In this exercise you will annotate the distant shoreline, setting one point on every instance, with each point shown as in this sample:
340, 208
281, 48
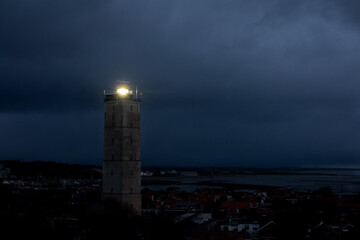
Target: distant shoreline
211, 184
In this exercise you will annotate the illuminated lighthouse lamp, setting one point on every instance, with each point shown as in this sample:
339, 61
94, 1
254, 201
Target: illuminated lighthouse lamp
123, 91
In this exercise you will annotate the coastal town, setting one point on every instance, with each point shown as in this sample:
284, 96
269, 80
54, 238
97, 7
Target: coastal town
47, 206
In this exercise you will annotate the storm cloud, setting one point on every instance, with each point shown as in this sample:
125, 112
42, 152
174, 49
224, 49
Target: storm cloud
234, 83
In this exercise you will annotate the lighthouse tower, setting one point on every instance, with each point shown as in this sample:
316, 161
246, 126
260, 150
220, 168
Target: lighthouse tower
121, 163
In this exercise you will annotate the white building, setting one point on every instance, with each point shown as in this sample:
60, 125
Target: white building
234, 226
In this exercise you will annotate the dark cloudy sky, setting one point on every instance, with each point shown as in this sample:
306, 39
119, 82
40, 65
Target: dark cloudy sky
225, 83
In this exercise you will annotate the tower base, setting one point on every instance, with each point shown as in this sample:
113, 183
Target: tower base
130, 202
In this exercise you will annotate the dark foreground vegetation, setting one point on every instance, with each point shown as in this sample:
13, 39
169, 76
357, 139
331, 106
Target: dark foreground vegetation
70, 214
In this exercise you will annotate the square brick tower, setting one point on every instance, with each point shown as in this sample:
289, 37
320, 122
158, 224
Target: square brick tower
121, 163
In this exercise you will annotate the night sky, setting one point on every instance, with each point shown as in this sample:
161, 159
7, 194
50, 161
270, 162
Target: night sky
225, 83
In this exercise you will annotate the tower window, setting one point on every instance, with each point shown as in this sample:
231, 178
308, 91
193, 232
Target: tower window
112, 157
131, 140
130, 125
131, 190
131, 172
131, 107
131, 157
112, 141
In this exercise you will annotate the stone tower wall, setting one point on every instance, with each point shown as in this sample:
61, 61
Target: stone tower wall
121, 164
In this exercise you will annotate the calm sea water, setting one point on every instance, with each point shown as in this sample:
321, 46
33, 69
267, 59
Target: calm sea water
340, 181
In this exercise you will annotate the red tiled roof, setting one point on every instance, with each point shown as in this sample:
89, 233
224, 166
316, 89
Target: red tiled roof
169, 202
235, 204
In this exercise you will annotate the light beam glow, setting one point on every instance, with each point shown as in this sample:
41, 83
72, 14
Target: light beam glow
122, 91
